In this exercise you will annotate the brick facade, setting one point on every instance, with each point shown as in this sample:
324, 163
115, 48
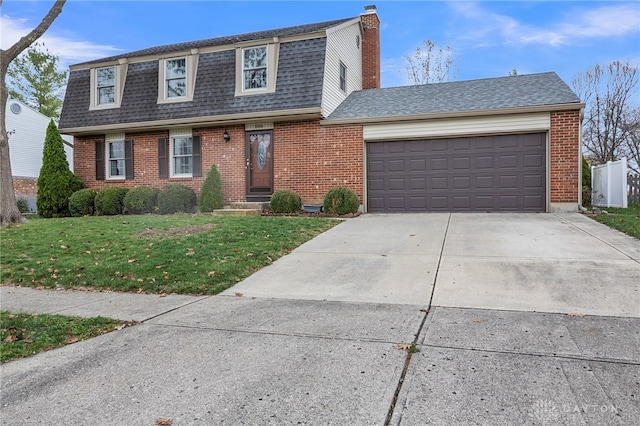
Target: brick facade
308, 158
564, 156
25, 187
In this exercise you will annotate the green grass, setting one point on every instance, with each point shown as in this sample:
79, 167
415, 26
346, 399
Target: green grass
184, 254
624, 220
22, 335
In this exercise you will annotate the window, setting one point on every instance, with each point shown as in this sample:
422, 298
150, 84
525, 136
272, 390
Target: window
182, 156
254, 68
116, 159
175, 78
106, 86
343, 77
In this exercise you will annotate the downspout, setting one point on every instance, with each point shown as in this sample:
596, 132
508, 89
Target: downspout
580, 159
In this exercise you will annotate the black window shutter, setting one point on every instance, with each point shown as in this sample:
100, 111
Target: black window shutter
197, 156
99, 160
128, 158
163, 158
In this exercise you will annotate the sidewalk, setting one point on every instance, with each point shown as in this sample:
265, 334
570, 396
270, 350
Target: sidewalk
319, 337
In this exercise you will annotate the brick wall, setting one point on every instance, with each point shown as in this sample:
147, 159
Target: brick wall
311, 159
308, 158
25, 187
564, 155
227, 156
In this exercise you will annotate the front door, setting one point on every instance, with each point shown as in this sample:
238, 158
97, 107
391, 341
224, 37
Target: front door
259, 165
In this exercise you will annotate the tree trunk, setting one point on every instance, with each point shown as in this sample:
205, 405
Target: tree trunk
9, 212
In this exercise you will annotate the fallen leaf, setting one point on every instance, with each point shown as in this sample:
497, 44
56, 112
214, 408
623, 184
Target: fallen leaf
402, 346
132, 260
164, 422
211, 273
11, 316
72, 340
575, 314
238, 294
10, 338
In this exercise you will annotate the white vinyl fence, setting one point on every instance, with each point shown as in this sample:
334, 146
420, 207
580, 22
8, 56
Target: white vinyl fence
609, 184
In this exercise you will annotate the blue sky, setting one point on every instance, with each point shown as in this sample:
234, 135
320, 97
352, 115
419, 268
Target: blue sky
488, 38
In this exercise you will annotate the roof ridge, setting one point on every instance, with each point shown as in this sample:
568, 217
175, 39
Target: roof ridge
228, 39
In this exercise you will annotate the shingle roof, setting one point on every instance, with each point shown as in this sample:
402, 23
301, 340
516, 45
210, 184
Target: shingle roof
522, 91
299, 83
221, 41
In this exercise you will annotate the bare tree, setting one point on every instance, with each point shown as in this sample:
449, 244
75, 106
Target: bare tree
9, 212
608, 92
430, 63
632, 147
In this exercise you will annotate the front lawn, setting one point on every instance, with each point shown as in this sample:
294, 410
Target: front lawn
624, 220
23, 335
184, 254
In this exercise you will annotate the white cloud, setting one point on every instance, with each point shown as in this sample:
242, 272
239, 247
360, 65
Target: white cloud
484, 26
68, 50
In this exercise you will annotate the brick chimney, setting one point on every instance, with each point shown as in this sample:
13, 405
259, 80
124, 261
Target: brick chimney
370, 48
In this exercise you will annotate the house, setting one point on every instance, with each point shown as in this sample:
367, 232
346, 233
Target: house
27, 129
301, 108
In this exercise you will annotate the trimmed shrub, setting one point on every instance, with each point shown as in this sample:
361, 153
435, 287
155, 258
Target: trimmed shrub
23, 205
56, 182
341, 200
109, 201
285, 201
82, 203
211, 196
176, 198
141, 200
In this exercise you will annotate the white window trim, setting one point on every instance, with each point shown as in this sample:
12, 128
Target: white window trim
120, 75
178, 133
191, 62
273, 50
109, 138
342, 66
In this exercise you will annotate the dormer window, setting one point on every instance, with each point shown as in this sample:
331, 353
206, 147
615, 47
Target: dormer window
256, 69
107, 86
175, 75
177, 78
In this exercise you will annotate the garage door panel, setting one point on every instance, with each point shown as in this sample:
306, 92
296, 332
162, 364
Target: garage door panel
487, 173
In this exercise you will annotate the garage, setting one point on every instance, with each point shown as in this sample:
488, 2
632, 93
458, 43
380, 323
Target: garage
499, 173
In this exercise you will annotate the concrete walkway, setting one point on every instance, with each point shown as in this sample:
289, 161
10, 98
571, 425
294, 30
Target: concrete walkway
518, 319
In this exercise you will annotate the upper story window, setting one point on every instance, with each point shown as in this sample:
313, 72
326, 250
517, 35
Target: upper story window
343, 77
175, 75
106, 85
254, 68
177, 78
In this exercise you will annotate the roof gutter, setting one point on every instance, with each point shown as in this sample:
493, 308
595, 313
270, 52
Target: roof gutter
216, 120
461, 114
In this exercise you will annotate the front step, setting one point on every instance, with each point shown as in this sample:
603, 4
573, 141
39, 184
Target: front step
237, 212
246, 208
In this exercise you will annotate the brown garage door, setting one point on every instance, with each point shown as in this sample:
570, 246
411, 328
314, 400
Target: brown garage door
484, 173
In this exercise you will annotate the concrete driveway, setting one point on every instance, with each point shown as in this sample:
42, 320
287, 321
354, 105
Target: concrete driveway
526, 262
516, 319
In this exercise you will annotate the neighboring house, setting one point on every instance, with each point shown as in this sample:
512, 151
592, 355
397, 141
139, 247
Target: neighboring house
27, 129
301, 108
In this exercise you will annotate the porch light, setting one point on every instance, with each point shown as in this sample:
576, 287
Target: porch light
226, 136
